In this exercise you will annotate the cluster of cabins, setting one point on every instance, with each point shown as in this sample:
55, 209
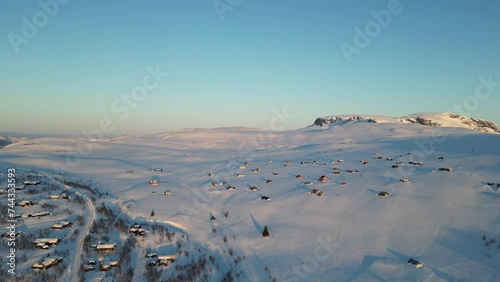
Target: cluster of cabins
162, 260
103, 266
324, 178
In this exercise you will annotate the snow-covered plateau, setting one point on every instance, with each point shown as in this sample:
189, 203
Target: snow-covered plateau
441, 206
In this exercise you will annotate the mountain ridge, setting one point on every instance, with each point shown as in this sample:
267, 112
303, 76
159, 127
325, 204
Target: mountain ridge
425, 119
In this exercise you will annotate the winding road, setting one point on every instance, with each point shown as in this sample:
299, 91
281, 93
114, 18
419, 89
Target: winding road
72, 273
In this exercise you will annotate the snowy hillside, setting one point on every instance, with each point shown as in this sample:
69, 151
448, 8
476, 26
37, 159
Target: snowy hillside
316, 189
427, 119
4, 141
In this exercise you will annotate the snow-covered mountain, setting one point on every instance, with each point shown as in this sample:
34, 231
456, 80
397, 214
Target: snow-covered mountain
4, 141
427, 119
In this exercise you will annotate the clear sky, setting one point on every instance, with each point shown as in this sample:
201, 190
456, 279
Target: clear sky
233, 63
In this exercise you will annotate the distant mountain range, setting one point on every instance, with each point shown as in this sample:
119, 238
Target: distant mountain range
426, 119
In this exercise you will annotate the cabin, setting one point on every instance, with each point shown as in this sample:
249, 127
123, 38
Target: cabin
163, 262
62, 225
404, 180
20, 187
253, 188
58, 197
323, 178
138, 231
383, 194
169, 258
449, 169
318, 192
48, 262
265, 198
40, 242
104, 267
416, 263
26, 203
269, 181
154, 182
37, 214
106, 247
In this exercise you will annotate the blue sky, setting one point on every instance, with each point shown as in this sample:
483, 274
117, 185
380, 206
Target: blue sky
233, 71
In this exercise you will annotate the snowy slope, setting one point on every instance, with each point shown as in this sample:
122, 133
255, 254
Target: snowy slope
427, 119
450, 221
